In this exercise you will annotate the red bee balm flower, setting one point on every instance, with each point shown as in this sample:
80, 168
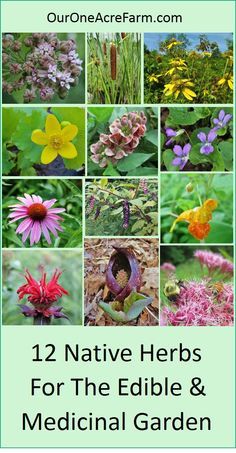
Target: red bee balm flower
42, 296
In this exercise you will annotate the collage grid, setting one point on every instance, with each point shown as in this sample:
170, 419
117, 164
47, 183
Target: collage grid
140, 294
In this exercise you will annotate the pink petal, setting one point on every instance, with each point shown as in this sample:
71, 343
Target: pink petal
35, 233
54, 217
49, 203
55, 210
37, 199
25, 201
23, 225
26, 233
18, 217
50, 225
46, 233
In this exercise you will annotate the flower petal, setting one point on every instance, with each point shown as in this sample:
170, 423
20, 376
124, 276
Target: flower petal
186, 149
69, 132
48, 155
39, 137
46, 233
23, 225
178, 150
206, 149
227, 118
170, 132
221, 115
68, 151
49, 203
211, 136
52, 125
202, 137
177, 161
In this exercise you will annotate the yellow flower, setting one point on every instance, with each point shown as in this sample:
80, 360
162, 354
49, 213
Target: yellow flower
56, 139
198, 219
154, 78
178, 62
174, 43
228, 78
175, 69
207, 54
178, 86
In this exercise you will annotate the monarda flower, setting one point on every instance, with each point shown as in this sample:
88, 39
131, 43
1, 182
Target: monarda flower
124, 137
198, 219
57, 140
42, 296
39, 218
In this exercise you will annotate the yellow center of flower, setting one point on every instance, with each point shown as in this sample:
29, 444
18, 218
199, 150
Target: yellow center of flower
56, 141
37, 211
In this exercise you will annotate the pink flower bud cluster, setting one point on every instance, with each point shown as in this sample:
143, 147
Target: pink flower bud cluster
214, 261
50, 67
124, 137
198, 305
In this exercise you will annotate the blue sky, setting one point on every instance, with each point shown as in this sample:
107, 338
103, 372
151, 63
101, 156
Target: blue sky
152, 40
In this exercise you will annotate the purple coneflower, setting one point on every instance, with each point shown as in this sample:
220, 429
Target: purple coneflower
182, 155
39, 218
207, 147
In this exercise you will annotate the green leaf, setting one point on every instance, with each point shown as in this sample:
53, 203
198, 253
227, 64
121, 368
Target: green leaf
168, 157
133, 161
152, 136
214, 158
10, 120
138, 225
226, 149
102, 114
184, 118
7, 163
143, 171
110, 171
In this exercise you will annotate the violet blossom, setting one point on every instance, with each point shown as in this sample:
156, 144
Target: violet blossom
222, 120
171, 133
207, 147
182, 155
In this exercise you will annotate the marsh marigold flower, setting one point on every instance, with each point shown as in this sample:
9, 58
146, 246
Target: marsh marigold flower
39, 218
42, 296
198, 219
56, 139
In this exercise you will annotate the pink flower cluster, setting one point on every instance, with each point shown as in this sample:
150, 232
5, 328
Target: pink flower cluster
124, 137
169, 268
50, 66
214, 262
197, 305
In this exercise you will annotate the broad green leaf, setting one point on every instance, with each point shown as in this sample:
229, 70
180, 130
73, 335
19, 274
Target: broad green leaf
143, 171
133, 161
138, 225
110, 170
152, 136
168, 156
7, 162
102, 114
226, 149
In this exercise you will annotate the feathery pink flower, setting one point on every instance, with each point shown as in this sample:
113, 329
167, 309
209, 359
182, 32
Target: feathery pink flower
168, 268
39, 218
214, 261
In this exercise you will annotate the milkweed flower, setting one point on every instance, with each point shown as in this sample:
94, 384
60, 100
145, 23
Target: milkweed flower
222, 120
214, 261
42, 296
198, 219
39, 218
182, 155
207, 140
56, 139
197, 305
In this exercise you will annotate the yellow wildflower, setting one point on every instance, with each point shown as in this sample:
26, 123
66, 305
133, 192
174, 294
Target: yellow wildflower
154, 78
180, 86
198, 219
56, 139
227, 79
173, 43
207, 54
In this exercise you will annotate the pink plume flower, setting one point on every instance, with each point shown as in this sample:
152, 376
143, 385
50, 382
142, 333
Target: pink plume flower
39, 218
214, 261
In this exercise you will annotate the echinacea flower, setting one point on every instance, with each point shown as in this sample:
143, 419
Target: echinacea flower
222, 120
56, 139
198, 219
42, 296
171, 133
39, 218
207, 147
180, 86
182, 155
227, 80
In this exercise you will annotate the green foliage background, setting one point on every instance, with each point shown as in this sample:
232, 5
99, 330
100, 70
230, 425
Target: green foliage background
69, 196
15, 262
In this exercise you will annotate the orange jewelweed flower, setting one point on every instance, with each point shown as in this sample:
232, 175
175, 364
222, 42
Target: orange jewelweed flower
198, 219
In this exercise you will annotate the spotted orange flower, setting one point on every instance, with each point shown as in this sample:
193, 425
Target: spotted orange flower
198, 219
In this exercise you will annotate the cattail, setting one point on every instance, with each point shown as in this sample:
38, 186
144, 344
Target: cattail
122, 278
123, 35
104, 46
113, 61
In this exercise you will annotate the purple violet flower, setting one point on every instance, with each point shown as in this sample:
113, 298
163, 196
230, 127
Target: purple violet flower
182, 155
222, 120
171, 133
207, 147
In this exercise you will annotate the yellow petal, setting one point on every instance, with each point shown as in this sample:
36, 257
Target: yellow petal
68, 151
230, 83
48, 155
39, 137
69, 132
189, 94
221, 82
52, 125
177, 93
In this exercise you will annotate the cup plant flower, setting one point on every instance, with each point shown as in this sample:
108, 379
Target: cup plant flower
39, 64
123, 279
56, 140
38, 218
42, 295
207, 300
